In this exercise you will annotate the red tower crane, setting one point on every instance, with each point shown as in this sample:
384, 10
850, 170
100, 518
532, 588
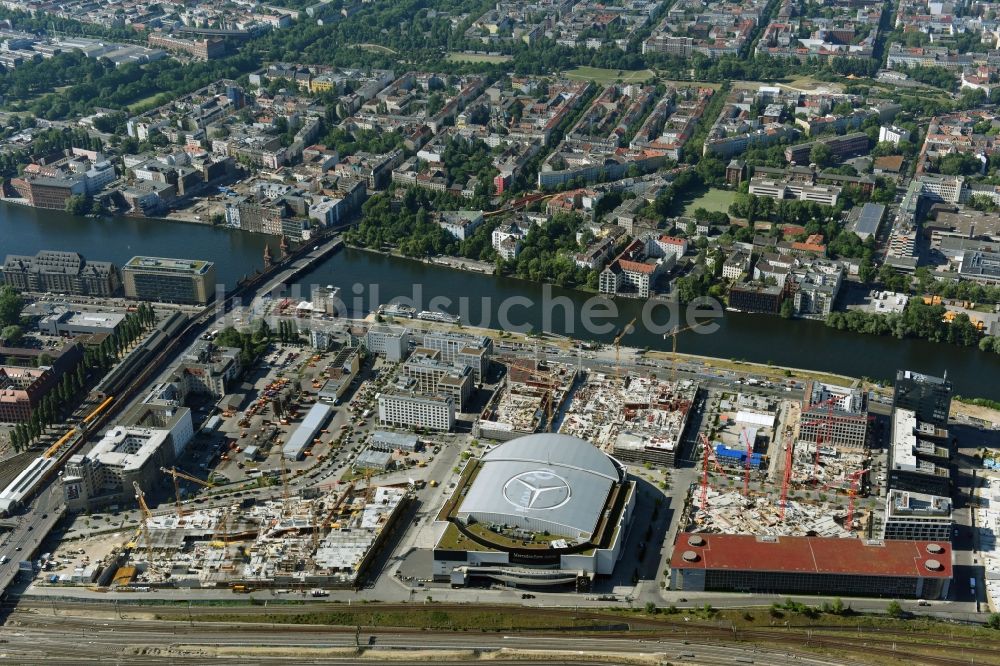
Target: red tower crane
787, 477
825, 422
746, 471
707, 455
852, 493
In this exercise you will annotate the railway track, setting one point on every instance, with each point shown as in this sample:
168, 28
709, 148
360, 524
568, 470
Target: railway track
920, 647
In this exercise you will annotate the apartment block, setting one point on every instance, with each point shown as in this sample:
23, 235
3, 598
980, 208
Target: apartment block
63, 273
841, 148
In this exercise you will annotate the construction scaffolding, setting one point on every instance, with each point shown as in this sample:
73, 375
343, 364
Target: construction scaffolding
640, 419
320, 542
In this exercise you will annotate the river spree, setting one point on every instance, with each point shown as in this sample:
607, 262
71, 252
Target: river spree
372, 278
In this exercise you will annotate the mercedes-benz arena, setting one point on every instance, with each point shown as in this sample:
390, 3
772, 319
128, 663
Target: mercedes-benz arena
540, 510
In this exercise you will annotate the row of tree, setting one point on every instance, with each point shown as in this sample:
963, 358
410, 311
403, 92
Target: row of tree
288, 331
68, 392
917, 320
49, 409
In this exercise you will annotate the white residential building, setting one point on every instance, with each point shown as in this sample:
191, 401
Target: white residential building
507, 240
892, 134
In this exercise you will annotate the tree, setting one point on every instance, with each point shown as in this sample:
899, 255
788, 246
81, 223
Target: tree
77, 204
11, 305
994, 621
821, 155
787, 308
894, 609
11, 335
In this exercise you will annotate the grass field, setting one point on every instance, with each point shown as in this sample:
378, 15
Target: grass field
458, 56
711, 199
146, 102
606, 76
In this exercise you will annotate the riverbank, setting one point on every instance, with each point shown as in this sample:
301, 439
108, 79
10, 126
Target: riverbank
457, 263
740, 337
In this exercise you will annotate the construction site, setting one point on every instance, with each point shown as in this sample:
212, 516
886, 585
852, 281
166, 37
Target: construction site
322, 539
759, 476
527, 402
634, 418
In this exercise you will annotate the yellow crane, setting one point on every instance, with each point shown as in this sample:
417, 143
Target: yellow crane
147, 515
285, 506
176, 474
628, 328
673, 353
222, 529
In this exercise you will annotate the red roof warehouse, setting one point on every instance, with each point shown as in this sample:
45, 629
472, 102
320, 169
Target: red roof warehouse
746, 563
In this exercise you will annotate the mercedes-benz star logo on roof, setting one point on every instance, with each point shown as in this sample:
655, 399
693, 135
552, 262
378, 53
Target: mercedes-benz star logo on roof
537, 489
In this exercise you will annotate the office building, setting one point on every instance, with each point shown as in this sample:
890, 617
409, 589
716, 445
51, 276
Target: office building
426, 372
49, 191
125, 454
471, 350
927, 396
811, 565
61, 273
980, 266
169, 280
764, 299
835, 416
207, 370
399, 408
69, 323
918, 455
393, 342
917, 517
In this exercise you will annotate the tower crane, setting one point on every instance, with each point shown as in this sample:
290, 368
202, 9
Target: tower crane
285, 506
746, 472
147, 515
222, 529
787, 476
625, 330
178, 474
852, 493
673, 350
707, 455
825, 423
